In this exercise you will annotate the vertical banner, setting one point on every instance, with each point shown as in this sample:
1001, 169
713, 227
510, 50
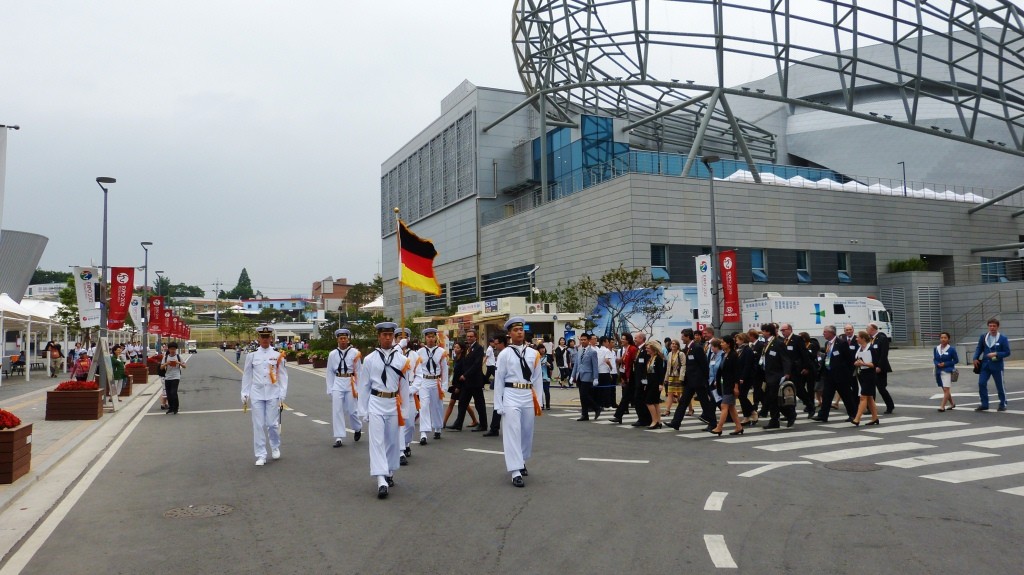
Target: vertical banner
730, 286
135, 311
156, 314
87, 288
121, 284
704, 287
166, 322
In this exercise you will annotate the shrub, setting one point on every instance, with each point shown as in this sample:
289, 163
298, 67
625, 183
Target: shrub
74, 385
8, 420
911, 265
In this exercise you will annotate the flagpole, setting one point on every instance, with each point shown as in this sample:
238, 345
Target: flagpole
401, 291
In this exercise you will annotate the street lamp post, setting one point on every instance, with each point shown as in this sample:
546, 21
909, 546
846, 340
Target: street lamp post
159, 292
708, 160
145, 302
103, 279
532, 274
904, 164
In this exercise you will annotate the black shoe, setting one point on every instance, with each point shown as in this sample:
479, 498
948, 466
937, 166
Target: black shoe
618, 421
674, 426
713, 432
855, 422
408, 451
491, 434
818, 418
359, 435
638, 424
382, 492
772, 425
518, 481
980, 409
478, 428
790, 422
583, 419
740, 432
402, 460
656, 426
524, 472
390, 480
163, 407
873, 422
888, 412
1000, 408
453, 428
437, 435
597, 413
423, 441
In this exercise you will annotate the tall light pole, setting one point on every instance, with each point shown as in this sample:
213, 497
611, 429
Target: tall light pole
708, 160
145, 302
103, 279
904, 164
159, 292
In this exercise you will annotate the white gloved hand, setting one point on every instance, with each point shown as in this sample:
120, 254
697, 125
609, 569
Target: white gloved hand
245, 399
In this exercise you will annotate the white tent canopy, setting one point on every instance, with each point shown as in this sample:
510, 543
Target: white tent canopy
375, 305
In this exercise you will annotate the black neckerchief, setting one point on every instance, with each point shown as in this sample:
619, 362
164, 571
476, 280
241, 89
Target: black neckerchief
527, 373
431, 364
342, 366
387, 363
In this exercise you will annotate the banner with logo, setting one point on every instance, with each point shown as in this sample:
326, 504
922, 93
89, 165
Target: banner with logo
156, 314
87, 288
704, 287
167, 322
120, 287
135, 311
730, 286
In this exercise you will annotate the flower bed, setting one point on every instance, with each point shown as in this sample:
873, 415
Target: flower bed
153, 364
74, 400
136, 374
15, 447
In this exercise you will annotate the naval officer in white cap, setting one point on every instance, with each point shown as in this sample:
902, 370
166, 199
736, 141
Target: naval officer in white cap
264, 387
431, 375
517, 378
383, 385
342, 366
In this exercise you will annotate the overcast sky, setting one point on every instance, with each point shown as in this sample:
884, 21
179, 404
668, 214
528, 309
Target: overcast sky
242, 134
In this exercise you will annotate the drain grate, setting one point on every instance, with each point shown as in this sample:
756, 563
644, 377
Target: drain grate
198, 511
853, 466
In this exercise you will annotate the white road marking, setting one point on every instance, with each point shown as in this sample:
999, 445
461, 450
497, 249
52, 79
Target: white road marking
911, 426
855, 452
715, 501
719, 552
950, 457
484, 451
965, 432
996, 443
885, 420
320, 422
197, 412
299, 414
1013, 491
565, 415
977, 473
817, 442
769, 437
614, 460
765, 466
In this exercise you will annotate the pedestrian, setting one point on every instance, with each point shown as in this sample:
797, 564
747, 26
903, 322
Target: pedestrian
342, 366
489, 362
238, 353
629, 354
172, 365
55, 355
572, 354
264, 387
675, 364
498, 344
517, 376
458, 360
431, 369
585, 374
470, 384
383, 384
695, 382
639, 372
546, 366
653, 382
993, 347
562, 362
880, 354
945, 359
728, 384
865, 365
837, 370
607, 372
117, 379
408, 401
80, 371
745, 373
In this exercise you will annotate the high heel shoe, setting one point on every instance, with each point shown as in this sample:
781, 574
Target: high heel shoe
655, 426
873, 422
713, 432
740, 432
952, 406
856, 422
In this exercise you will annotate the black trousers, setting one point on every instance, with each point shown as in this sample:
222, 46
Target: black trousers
771, 399
639, 399
606, 393
495, 421
171, 386
627, 398
834, 384
805, 395
476, 394
588, 402
746, 405
881, 383
707, 406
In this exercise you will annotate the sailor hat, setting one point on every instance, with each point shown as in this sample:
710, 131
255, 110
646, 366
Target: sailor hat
386, 326
430, 330
342, 331
513, 322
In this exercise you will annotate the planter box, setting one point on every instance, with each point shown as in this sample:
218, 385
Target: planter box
153, 368
320, 363
126, 389
137, 375
305, 361
15, 452
65, 405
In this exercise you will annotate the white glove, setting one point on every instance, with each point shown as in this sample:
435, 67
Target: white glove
245, 399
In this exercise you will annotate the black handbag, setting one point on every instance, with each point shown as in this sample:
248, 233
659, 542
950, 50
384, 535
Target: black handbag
977, 368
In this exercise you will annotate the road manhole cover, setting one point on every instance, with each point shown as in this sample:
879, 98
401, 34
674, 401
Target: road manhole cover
194, 511
853, 466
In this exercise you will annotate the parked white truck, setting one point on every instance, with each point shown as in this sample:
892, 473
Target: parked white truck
811, 314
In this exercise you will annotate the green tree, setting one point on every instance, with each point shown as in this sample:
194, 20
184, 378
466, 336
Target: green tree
42, 276
182, 290
67, 311
363, 293
242, 290
236, 326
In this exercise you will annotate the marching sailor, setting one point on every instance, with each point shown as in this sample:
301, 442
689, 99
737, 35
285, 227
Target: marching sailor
409, 401
342, 366
383, 386
431, 373
516, 380
264, 386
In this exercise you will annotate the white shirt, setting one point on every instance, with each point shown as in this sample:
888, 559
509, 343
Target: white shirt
353, 361
489, 356
864, 355
437, 373
386, 371
509, 370
605, 360
264, 376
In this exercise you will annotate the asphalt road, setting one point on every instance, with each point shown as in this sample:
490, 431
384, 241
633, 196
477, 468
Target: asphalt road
599, 498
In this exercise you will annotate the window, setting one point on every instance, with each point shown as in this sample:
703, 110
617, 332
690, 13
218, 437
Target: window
993, 270
659, 263
758, 266
803, 267
843, 265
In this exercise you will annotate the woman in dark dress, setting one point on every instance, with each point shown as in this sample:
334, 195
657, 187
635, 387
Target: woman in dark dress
458, 368
866, 378
654, 379
728, 386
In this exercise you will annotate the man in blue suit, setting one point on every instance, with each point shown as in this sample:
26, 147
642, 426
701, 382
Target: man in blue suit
992, 348
584, 373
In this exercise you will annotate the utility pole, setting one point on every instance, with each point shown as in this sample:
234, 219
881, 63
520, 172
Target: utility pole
216, 304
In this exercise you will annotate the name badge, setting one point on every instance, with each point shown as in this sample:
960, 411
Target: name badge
641, 360
689, 356
835, 353
875, 346
643, 382
773, 352
789, 347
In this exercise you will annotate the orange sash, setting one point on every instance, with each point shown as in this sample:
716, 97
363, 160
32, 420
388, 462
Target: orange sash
440, 392
398, 403
536, 404
352, 382
416, 398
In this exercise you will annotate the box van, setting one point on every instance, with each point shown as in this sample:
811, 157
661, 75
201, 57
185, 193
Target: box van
192, 346
811, 314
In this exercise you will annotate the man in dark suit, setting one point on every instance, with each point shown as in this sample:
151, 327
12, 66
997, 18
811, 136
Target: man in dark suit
471, 384
797, 352
695, 382
879, 347
837, 375
778, 367
639, 372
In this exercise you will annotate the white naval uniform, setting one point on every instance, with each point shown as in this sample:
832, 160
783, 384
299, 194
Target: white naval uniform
265, 396
431, 375
408, 403
342, 368
516, 405
380, 372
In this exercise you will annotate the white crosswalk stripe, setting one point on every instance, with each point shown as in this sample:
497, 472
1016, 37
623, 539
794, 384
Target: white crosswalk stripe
837, 440
855, 452
885, 421
936, 458
971, 431
997, 443
976, 473
756, 437
912, 426
1013, 490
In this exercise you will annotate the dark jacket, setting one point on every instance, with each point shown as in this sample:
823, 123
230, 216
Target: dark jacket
728, 373
841, 362
473, 365
697, 369
880, 352
777, 363
745, 364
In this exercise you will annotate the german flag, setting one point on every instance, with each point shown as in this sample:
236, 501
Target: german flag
416, 256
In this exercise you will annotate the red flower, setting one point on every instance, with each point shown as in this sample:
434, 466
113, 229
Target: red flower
155, 358
8, 420
135, 364
74, 385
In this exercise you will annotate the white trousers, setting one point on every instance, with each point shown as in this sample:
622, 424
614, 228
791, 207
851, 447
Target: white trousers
265, 413
517, 435
409, 413
384, 444
343, 410
431, 409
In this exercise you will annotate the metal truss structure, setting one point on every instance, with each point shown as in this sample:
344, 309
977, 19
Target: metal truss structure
963, 56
